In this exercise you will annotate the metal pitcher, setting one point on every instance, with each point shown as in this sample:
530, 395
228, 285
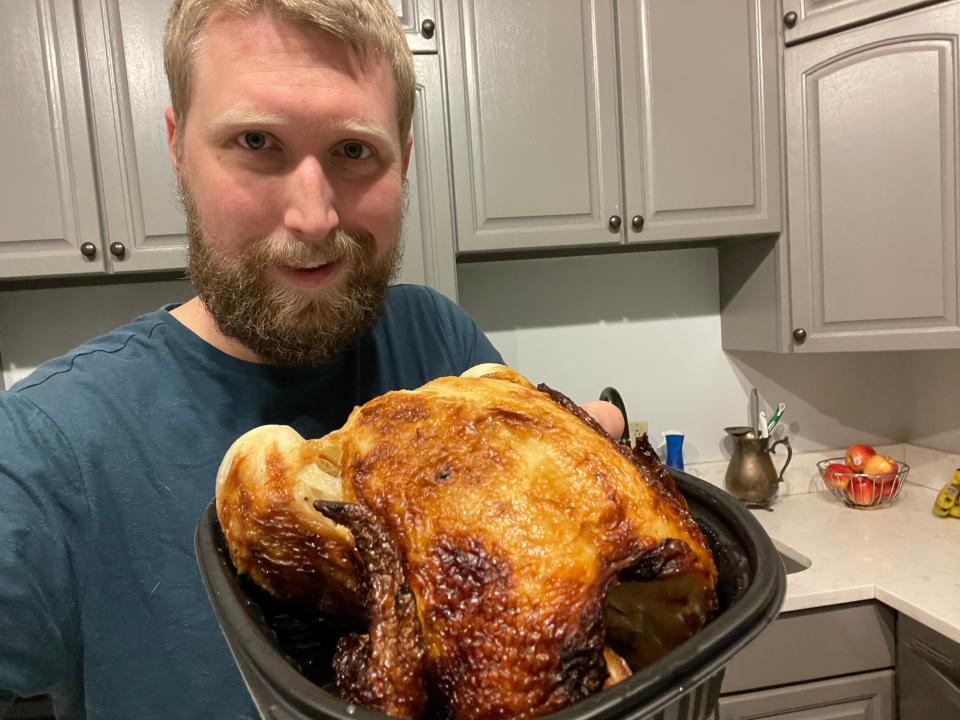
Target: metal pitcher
751, 476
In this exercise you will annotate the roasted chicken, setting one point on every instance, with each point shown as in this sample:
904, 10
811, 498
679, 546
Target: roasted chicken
508, 556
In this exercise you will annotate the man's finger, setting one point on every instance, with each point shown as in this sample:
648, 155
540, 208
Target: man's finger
607, 415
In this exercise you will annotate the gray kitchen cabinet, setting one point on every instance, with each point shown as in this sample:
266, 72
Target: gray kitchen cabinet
928, 673
420, 24
804, 19
858, 697
536, 124
701, 144
868, 259
872, 163
531, 88
144, 225
428, 253
48, 196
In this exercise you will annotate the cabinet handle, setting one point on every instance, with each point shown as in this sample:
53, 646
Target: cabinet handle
790, 19
637, 222
800, 335
614, 222
118, 250
88, 250
427, 28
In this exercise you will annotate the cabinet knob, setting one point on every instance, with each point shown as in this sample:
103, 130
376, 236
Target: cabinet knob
118, 250
637, 222
427, 28
790, 19
88, 250
800, 335
614, 222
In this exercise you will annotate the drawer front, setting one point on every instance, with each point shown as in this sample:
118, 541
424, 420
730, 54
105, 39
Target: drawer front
858, 697
820, 17
813, 644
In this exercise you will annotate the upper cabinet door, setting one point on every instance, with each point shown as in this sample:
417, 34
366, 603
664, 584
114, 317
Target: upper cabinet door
428, 253
872, 167
145, 227
701, 130
809, 18
48, 194
533, 122
420, 24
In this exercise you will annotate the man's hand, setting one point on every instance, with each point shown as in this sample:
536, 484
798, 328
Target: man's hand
607, 415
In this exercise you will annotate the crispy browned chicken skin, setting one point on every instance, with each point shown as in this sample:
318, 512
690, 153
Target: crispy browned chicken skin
479, 523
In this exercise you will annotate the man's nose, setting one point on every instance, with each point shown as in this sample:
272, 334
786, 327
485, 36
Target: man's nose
310, 213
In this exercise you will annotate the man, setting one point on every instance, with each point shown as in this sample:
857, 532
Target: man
289, 133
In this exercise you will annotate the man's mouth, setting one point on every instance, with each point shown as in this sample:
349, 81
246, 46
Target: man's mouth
312, 275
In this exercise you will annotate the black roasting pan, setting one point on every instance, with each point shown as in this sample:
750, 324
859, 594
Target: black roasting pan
285, 661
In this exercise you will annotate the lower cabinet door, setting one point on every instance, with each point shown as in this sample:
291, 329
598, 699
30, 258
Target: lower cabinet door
868, 696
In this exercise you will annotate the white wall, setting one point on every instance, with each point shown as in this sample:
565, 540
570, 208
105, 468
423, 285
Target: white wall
648, 323
934, 387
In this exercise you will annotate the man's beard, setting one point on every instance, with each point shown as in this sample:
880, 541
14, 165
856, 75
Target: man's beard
282, 324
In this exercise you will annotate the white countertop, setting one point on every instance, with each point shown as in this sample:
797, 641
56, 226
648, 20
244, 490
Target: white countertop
902, 555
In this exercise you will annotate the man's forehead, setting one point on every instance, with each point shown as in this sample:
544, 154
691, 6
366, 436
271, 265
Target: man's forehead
232, 37
262, 70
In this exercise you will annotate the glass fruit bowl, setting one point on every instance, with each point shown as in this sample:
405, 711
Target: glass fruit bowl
862, 490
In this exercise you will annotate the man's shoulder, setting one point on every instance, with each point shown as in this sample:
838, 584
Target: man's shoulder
96, 361
422, 329
404, 297
419, 305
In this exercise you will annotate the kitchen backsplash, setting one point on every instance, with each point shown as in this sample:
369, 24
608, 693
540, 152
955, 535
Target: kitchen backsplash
646, 323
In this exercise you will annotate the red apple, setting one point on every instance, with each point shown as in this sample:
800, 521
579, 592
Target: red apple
857, 455
880, 465
861, 490
889, 485
838, 476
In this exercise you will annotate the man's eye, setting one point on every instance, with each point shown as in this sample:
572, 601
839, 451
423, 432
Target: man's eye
253, 140
355, 150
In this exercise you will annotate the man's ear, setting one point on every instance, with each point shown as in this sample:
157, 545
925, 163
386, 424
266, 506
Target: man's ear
171, 123
406, 153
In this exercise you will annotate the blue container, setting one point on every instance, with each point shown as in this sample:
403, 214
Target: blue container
674, 442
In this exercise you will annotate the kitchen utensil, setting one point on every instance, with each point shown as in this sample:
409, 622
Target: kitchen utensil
275, 654
775, 420
611, 395
754, 409
762, 427
751, 475
860, 490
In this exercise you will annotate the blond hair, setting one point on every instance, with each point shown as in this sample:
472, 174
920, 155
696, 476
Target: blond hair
365, 25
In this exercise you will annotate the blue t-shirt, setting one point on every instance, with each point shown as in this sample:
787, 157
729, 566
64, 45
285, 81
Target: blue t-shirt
108, 456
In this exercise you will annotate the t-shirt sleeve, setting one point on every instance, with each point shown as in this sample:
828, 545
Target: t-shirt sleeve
471, 346
42, 514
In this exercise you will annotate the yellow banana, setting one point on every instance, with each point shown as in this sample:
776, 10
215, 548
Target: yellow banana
947, 497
